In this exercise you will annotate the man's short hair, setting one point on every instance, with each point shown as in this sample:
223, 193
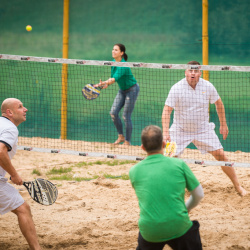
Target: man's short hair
152, 138
193, 63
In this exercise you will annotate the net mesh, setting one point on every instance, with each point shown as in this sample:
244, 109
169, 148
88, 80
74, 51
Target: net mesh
37, 82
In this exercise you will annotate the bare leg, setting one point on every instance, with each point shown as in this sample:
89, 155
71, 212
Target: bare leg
27, 226
219, 155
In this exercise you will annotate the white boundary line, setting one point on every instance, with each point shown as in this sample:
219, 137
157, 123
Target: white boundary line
129, 157
125, 64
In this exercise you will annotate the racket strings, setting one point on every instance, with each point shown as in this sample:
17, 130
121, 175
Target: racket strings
51, 192
90, 92
48, 191
34, 191
170, 149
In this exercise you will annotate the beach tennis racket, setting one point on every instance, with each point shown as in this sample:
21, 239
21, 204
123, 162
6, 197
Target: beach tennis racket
42, 191
170, 149
90, 92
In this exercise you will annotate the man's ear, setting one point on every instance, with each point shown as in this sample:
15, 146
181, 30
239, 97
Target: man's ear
164, 144
143, 148
9, 112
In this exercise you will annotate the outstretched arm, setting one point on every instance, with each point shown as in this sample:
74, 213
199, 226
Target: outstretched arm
165, 122
222, 117
196, 196
106, 83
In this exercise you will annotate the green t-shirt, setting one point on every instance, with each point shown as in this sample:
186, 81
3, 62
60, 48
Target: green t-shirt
123, 76
159, 184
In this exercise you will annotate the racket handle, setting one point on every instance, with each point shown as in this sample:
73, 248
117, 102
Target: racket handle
10, 180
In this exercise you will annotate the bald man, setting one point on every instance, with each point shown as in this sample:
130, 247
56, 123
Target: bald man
13, 114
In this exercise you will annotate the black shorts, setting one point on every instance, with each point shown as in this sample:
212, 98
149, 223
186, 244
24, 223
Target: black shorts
189, 241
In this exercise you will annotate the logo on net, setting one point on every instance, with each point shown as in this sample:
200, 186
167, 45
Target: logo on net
25, 58
225, 68
27, 148
107, 63
55, 151
80, 62
195, 67
229, 164
199, 162
165, 66
137, 65
52, 60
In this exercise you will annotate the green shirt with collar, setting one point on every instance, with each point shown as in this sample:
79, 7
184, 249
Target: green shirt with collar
160, 184
123, 76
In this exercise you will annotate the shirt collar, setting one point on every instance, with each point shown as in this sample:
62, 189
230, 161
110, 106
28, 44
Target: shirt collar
188, 86
123, 60
5, 117
154, 156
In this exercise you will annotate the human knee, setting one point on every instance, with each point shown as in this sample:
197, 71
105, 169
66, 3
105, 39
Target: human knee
112, 116
124, 118
23, 209
219, 155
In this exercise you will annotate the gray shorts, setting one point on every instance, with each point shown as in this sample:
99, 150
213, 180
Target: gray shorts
10, 199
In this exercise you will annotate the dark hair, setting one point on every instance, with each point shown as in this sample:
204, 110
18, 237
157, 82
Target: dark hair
193, 63
122, 49
152, 138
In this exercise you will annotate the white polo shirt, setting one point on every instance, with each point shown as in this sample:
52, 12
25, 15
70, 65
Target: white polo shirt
8, 136
191, 106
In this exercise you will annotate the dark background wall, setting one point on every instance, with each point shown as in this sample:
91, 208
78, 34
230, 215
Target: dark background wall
153, 31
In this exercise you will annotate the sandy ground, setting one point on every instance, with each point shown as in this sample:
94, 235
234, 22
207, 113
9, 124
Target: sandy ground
103, 213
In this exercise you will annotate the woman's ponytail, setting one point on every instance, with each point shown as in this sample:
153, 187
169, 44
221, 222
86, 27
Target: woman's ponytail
125, 56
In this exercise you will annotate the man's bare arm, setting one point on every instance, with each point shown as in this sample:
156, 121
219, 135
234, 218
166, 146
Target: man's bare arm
6, 164
222, 117
165, 122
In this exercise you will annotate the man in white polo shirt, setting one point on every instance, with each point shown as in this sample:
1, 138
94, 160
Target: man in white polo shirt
13, 114
190, 98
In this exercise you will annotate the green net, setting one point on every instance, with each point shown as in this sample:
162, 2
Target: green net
38, 84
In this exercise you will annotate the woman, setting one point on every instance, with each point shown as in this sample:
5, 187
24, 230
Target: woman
126, 96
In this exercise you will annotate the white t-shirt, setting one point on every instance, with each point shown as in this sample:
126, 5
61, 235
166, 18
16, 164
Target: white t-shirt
191, 106
8, 136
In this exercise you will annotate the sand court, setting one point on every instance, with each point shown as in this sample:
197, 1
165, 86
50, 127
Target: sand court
102, 213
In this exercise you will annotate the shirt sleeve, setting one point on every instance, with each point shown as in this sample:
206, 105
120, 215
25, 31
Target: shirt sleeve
131, 175
172, 97
214, 96
8, 137
191, 180
196, 196
119, 72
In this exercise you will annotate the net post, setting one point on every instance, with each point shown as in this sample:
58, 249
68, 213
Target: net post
65, 70
205, 37
64, 104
